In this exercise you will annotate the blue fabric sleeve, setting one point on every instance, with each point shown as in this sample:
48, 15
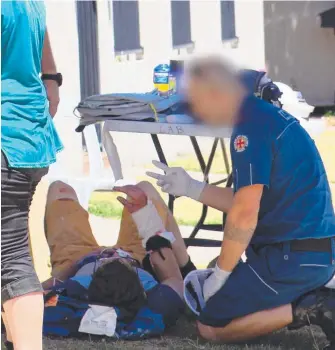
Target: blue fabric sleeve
252, 157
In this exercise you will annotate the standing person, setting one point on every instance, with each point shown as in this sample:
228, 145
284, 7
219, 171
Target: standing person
29, 143
280, 212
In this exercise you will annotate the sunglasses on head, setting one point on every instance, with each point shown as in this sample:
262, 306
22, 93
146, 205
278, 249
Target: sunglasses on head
126, 259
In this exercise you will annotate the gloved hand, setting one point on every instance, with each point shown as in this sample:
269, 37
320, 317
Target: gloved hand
177, 182
214, 282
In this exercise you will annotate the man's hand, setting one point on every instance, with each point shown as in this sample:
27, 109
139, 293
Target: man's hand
215, 282
177, 182
136, 198
52, 90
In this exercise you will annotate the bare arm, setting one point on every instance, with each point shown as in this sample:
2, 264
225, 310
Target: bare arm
240, 226
220, 198
167, 269
48, 62
49, 67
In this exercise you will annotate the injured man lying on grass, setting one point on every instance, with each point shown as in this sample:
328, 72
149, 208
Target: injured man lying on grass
127, 291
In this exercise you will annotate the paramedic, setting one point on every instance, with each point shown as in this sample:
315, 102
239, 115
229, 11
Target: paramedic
280, 212
29, 144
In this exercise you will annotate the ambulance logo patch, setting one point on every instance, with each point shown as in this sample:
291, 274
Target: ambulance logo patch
241, 143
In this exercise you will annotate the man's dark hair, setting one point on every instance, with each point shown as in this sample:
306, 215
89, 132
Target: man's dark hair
116, 284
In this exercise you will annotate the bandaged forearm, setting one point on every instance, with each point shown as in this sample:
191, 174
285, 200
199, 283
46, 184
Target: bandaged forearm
148, 222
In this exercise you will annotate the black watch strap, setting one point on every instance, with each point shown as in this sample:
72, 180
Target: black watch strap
56, 77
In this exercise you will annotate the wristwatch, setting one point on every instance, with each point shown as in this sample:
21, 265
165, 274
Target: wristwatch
56, 77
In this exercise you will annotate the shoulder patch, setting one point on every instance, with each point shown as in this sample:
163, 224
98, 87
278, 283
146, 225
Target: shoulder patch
240, 143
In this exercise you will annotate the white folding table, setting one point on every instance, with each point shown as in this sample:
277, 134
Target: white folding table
191, 130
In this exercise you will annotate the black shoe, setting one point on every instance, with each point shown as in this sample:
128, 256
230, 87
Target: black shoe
316, 308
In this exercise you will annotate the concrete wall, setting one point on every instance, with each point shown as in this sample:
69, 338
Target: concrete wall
298, 51
62, 28
156, 39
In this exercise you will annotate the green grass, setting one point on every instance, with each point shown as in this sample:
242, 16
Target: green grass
184, 337
330, 113
105, 204
106, 209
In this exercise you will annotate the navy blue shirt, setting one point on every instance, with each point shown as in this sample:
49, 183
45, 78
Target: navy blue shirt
271, 148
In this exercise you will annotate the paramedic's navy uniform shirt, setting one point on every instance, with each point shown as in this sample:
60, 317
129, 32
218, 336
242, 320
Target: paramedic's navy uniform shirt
269, 147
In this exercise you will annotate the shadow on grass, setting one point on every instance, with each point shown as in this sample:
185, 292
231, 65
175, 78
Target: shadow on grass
184, 336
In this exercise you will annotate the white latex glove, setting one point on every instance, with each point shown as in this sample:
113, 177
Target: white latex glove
215, 282
148, 222
177, 182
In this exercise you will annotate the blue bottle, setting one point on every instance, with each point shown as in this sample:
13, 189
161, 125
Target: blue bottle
161, 77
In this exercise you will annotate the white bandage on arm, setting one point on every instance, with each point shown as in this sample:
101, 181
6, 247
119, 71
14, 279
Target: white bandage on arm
148, 222
169, 236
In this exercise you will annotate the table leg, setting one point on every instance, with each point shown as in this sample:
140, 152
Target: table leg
161, 157
227, 165
225, 156
205, 168
198, 153
229, 183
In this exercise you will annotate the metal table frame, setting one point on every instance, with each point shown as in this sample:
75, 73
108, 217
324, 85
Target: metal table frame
204, 166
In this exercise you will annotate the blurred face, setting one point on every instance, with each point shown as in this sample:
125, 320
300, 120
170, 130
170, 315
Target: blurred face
209, 104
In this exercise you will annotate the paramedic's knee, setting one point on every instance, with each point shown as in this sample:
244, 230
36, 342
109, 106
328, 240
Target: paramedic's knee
149, 190
59, 190
206, 332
